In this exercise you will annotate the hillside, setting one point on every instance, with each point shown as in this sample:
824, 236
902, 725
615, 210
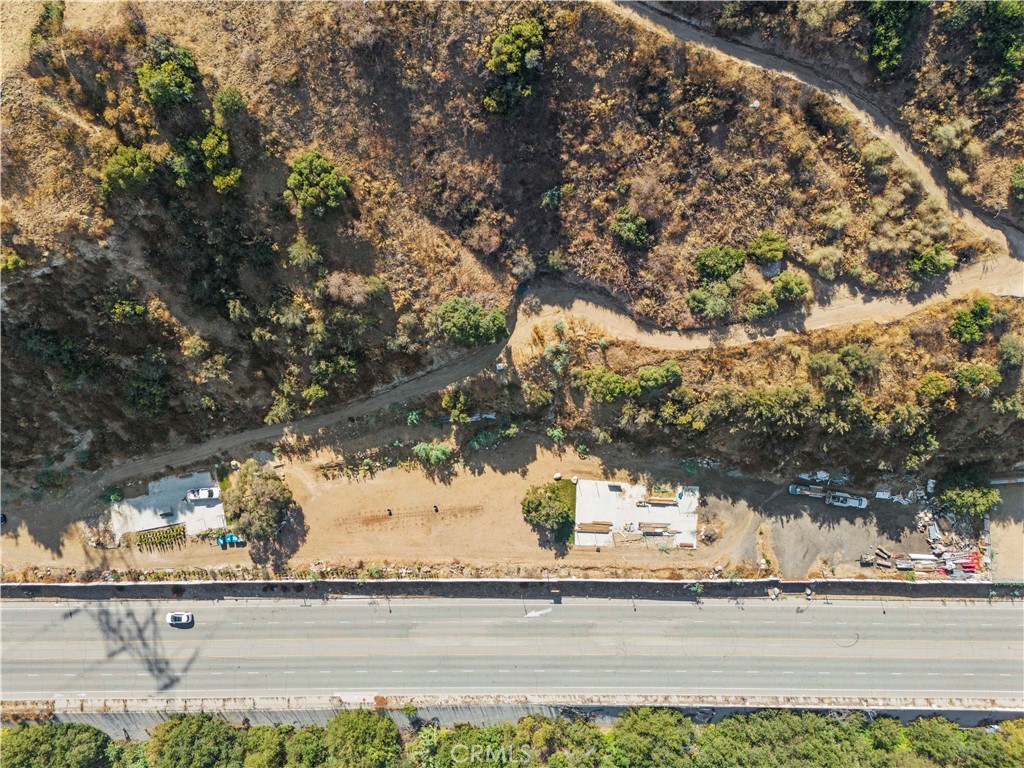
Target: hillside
161, 286
951, 74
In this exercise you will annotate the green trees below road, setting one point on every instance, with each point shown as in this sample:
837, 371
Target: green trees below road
641, 738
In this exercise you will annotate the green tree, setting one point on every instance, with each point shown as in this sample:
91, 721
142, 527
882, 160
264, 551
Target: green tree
890, 20
257, 501
315, 185
55, 745
1011, 351
781, 411
762, 305
718, 262
630, 227
304, 254
977, 378
432, 454
228, 103
965, 490
306, 749
553, 507
931, 261
789, 286
711, 302
359, 738
861, 362
767, 248
264, 747
1017, 181
216, 154
168, 77
937, 739
651, 738
518, 49
668, 374
605, 385
462, 321
969, 325
886, 734
457, 403
556, 434
127, 171
934, 386
194, 741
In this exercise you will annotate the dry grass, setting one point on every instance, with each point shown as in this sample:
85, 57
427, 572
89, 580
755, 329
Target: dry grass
445, 199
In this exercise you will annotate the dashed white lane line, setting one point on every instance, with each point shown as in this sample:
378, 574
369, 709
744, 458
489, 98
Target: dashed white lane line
288, 672
788, 673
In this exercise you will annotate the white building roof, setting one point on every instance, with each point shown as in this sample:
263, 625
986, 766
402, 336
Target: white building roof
167, 495
627, 506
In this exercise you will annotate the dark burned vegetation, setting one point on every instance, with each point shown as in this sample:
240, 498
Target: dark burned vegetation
294, 206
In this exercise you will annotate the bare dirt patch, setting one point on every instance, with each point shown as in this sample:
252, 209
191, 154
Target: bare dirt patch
1007, 532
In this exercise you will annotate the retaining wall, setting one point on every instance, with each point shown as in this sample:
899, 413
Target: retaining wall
546, 589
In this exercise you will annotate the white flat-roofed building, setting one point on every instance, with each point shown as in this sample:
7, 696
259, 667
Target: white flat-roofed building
605, 508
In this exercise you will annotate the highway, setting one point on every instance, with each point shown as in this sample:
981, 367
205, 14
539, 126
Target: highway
589, 647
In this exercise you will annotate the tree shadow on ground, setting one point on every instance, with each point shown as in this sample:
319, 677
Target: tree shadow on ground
555, 540
276, 552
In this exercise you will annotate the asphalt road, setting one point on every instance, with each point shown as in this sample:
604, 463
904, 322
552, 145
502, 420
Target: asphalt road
429, 646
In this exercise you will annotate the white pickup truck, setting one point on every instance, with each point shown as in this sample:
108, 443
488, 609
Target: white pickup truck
837, 499
201, 494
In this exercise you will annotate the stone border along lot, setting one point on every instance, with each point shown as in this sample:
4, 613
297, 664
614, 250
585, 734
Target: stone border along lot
622, 589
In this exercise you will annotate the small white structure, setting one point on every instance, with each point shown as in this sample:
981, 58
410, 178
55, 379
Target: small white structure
604, 508
166, 505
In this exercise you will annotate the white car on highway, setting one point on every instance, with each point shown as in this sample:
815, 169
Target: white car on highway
201, 494
180, 619
837, 499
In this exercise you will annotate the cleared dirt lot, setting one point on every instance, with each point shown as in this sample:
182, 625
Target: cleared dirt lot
479, 522
1007, 531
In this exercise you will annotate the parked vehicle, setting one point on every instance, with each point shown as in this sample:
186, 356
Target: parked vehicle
201, 494
845, 500
180, 619
814, 491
